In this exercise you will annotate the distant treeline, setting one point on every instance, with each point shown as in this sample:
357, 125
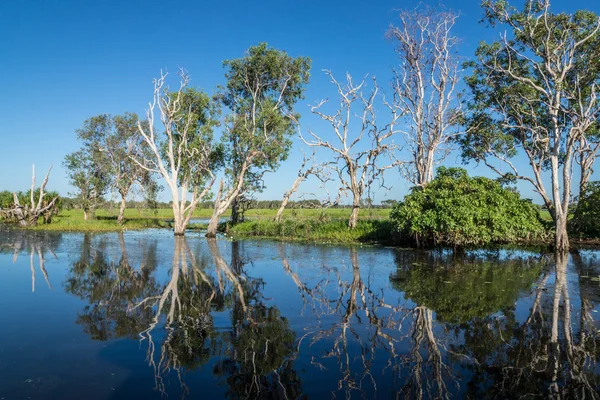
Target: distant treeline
73, 203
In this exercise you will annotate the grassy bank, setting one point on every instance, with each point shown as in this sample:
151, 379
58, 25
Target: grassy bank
313, 230
333, 221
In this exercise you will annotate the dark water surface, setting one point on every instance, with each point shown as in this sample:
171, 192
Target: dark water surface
146, 315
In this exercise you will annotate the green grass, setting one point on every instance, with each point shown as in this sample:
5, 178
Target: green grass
72, 221
332, 221
313, 230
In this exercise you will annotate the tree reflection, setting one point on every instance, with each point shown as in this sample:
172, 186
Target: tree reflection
36, 244
354, 324
550, 354
259, 361
459, 290
110, 288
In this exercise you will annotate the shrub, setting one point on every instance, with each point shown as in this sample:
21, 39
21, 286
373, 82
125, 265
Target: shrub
586, 221
456, 210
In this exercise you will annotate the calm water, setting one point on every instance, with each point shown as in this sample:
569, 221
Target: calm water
145, 315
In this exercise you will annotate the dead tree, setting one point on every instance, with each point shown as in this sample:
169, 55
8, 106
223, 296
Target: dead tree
28, 214
303, 173
425, 87
354, 124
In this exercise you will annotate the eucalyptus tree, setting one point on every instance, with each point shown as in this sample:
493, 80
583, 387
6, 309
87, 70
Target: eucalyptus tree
536, 92
359, 141
119, 144
261, 91
425, 86
87, 168
183, 154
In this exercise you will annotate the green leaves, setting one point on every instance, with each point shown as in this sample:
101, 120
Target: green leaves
261, 91
455, 210
586, 221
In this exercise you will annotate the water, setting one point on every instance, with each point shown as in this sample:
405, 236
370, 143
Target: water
145, 315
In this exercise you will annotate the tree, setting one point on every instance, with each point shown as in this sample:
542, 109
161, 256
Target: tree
455, 210
87, 168
356, 161
425, 86
262, 89
120, 143
586, 220
536, 92
28, 214
308, 168
184, 154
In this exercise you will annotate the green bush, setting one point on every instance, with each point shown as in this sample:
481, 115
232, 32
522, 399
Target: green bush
456, 210
586, 221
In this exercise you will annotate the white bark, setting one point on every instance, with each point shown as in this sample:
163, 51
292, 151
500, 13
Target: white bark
357, 169
425, 87
572, 108
28, 214
169, 164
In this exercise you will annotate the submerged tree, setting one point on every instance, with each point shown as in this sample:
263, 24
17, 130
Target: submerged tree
184, 154
425, 86
261, 91
359, 142
536, 92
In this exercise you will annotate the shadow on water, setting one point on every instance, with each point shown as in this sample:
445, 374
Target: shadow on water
196, 317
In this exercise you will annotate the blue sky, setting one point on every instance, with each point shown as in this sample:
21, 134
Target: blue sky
65, 61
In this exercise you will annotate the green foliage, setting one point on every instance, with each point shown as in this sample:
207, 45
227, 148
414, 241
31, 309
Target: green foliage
261, 91
318, 229
87, 168
456, 210
197, 115
463, 291
535, 92
586, 221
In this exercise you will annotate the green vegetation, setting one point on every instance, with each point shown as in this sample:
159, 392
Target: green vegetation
586, 221
261, 92
456, 210
465, 291
308, 229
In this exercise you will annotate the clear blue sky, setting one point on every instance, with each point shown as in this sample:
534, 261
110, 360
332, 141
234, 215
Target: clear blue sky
65, 61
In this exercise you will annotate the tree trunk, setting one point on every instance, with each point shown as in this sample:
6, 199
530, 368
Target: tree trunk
211, 231
235, 211
86, 214
355, 209
284, 202
121, 217
179, 223
561, 242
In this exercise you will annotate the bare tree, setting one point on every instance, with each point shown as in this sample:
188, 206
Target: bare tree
425, 86
536, 92
308, 168
354, 124
184, 157
28, 214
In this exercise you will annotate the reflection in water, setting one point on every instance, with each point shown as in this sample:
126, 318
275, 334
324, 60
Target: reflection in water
272, 320
255, 358
110, 288
36, 244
